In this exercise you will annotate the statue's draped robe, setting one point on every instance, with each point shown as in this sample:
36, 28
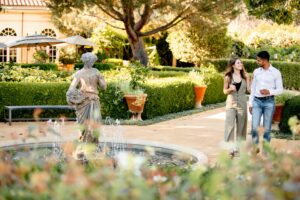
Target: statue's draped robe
83, 93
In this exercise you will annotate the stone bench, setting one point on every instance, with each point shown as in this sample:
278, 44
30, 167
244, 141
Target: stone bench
33, 107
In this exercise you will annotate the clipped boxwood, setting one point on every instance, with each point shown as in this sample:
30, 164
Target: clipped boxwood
169, 68
20, 93
290, 109
99, 66
168, 96
214, 91
46, 66
115, 61
287, 69
164, 74
165, 96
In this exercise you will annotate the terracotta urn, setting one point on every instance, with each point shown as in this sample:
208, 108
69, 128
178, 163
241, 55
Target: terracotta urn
277, 113
135, 105
199, 95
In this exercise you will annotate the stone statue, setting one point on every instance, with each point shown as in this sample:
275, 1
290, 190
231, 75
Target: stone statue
83, 94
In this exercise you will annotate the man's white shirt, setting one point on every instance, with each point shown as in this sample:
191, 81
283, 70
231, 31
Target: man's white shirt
269, 79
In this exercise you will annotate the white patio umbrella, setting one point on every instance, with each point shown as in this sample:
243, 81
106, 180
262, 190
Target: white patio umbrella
78, 40
2, 46
34, 41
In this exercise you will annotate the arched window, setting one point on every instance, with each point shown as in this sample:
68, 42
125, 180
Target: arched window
8, 32
52, 49
5, 54
48, 32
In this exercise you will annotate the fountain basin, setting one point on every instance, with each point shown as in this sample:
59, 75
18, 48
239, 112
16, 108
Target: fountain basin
163, 154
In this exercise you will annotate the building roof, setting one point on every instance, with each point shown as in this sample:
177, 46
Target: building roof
32, 3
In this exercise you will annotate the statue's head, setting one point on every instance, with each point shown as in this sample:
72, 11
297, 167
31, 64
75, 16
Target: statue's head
89, 59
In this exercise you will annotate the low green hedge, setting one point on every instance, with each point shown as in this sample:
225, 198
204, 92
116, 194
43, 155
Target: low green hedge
168, 96
164, 74
18, 93
169, 68
115, 61
214, 92
289, 70
291, 108
164, 96
46, 66
99, 66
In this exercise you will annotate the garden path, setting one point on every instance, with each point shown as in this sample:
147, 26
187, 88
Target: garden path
202, 131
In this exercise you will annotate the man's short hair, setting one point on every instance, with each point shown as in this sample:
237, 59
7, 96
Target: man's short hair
264, 55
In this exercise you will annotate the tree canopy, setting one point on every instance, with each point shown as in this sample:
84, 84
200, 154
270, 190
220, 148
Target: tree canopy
134, 15
279, 11
142, 18
205, 34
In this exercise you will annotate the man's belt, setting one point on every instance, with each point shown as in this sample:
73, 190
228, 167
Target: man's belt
265, 98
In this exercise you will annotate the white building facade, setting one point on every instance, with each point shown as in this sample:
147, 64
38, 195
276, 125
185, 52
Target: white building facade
20, 18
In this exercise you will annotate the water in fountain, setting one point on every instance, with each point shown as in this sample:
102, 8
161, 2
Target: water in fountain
112, 143
113, 134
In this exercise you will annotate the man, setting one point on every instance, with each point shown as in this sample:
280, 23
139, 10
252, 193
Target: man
267, 82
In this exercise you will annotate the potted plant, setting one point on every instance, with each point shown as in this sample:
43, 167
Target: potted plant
199, 87
279, 104
41, 56
133, 93
67, 59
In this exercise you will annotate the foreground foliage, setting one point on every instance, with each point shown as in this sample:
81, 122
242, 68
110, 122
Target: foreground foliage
276, 175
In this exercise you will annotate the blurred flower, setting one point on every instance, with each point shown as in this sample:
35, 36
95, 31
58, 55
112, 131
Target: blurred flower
294, 124
127, 161
150, 150
39, 181
36, 113
159, 178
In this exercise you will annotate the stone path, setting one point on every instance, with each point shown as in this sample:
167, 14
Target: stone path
202, 131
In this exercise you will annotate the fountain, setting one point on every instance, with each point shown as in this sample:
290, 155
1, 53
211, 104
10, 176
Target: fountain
111, 144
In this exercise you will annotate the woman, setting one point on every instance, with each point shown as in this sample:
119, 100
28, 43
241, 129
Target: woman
236, 83
83, 94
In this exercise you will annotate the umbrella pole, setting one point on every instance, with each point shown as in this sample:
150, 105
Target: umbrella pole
27, 55
75, 53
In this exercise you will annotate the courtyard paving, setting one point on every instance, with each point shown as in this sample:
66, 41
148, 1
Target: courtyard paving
202, 131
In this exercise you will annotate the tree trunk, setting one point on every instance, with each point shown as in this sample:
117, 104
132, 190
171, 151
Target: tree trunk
138, 50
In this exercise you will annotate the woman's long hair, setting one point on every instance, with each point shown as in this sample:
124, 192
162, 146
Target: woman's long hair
230, 70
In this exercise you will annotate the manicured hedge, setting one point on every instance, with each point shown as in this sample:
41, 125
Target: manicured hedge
214, 92
168, 96
164, 74
18, 93
291, 108
46, 66
169, 68
289, 70
115, 61
99, 66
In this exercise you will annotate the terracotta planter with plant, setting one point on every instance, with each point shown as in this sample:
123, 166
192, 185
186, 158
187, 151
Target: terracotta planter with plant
199, 95
199, 87
279, 105
70, 67
277, 113
136, 105
133, 93
67, 59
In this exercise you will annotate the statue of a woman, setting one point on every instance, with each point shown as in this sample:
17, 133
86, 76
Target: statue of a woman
83, 94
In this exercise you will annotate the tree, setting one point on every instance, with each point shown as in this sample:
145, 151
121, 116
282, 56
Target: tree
204, 36
135, 15
76, 21
279, 11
